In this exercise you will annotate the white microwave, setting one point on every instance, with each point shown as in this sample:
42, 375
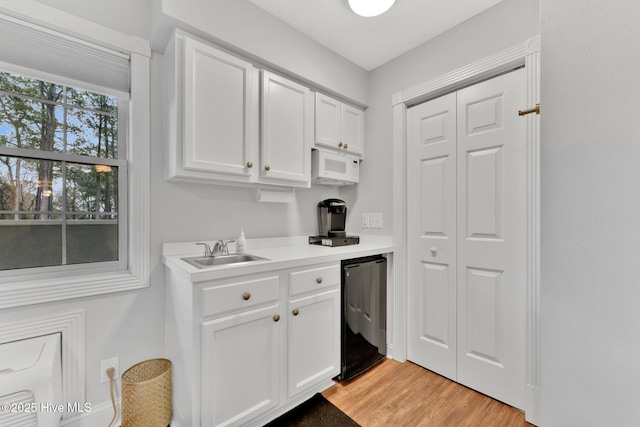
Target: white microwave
331, 168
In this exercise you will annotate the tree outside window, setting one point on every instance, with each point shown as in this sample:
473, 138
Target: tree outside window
59, 174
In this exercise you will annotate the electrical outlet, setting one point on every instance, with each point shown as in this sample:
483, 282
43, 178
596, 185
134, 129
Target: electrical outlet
114, 363
365, 221
375, 220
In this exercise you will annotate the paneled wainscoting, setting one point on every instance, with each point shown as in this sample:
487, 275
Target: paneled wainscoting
405, 394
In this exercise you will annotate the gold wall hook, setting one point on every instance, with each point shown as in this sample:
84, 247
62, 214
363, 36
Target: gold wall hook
536, 110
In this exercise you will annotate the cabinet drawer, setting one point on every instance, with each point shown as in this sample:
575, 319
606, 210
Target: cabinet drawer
233, 296
314, 279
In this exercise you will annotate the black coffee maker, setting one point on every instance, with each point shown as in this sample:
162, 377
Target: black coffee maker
332, 216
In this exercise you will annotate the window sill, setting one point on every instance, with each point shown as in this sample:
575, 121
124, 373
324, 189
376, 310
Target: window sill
27, 292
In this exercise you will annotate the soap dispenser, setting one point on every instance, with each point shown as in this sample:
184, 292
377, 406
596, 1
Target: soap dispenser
241, 243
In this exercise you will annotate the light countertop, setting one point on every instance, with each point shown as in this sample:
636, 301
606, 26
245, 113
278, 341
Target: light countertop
286, 252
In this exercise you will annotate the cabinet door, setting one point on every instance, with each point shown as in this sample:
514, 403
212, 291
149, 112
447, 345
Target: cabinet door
287, 130
240, 366
339, 126
328, 121
219, 108
352, 130
314, 340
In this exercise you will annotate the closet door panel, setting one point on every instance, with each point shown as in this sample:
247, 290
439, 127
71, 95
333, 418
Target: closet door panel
491, 237
431, 168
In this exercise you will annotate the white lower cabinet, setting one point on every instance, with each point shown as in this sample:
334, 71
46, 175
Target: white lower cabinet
240, 366
246, 349
314, 340
313, 327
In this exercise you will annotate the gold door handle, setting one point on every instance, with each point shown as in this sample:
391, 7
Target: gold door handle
535, 109
346, 146
319, 279
246, 296
296, 312
340, 144
249, 165
267, 167
276, 317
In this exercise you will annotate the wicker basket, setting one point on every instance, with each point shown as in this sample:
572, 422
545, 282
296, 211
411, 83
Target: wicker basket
146, 394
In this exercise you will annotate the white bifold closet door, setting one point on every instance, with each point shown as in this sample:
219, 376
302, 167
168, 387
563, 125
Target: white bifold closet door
466, 165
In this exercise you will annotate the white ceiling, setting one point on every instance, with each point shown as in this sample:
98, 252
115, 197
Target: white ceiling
370, 42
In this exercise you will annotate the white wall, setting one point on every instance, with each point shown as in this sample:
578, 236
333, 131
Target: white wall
504, 25
126, 16
246, 27
590, 223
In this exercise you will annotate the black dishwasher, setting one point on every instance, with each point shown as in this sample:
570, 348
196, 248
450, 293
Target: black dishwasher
364, 308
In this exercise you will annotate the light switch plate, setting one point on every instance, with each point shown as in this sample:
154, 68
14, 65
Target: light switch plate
375, 220
365, 221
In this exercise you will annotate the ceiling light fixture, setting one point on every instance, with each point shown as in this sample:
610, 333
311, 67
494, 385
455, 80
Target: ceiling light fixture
369, 8
103, 168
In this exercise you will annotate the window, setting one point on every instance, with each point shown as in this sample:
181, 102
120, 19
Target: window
63, 175
74, 157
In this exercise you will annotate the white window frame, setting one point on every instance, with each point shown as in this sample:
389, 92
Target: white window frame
64, 269
25, 287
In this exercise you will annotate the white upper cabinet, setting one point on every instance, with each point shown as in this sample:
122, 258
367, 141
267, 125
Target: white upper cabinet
286, 132
215, 102
229, 122
339, 126
352, 130
218, 103
212, 113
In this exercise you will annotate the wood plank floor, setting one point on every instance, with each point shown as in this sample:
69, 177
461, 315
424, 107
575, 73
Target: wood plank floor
405, 394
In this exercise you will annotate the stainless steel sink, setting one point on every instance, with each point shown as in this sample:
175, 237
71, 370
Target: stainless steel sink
204, 262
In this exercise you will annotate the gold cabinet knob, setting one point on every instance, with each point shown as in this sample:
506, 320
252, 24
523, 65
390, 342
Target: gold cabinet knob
346, 146
340, 144
296, 312
249, 165
276, 317
246, 296
267, 167
319, 279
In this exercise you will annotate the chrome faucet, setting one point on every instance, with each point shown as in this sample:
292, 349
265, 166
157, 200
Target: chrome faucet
219, 248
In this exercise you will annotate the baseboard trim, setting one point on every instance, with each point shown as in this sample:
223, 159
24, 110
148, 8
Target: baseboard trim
532, 403
99, 415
